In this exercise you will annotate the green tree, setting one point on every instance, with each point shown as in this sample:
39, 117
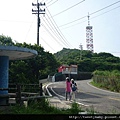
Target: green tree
34, 69
6, 40
89, 61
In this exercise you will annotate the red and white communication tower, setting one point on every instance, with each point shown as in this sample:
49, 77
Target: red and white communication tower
89, 36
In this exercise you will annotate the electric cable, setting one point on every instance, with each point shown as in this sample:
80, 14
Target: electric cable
29, 28
52, 3
91, 18
51, 34
52, 28
47, 44
68, 8
60, 33
89, 14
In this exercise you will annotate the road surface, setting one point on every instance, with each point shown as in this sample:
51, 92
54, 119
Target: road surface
101, 101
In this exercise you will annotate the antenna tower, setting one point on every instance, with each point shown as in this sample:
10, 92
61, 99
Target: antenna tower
89, 36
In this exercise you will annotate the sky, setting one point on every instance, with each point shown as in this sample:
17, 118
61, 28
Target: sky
64, 23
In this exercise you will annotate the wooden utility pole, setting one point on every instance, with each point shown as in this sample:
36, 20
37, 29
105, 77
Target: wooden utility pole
38, 11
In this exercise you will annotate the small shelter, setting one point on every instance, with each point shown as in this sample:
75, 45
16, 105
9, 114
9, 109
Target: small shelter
10, 53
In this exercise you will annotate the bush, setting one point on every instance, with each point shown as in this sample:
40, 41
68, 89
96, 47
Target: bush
36, 107
75, 108
43, 107
107, 79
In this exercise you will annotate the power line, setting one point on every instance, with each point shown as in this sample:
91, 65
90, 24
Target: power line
73, 21
52, 3
68, 8
105, 7
89, 14
29, 28
91, 18
51, 34
59, 31
105, 12
47, 44
52, 28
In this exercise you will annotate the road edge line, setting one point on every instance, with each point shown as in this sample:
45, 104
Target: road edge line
72, 100
48, 90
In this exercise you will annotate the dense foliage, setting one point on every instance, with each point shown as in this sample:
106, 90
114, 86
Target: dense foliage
34, 69
5, 40
30, 70
43, 107
107, 79
88, 61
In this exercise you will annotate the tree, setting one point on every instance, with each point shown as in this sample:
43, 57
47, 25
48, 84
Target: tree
34, 69
90, 61
30, 70
6, 40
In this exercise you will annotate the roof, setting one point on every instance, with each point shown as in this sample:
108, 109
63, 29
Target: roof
73, 65
17, 53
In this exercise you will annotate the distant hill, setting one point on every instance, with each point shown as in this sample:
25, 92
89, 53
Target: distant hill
88, 61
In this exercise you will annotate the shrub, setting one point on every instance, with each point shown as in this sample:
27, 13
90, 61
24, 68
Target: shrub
107, 79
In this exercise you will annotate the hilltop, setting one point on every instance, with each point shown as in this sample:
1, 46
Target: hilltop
88, 61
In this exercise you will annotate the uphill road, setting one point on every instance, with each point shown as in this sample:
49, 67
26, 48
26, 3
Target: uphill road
101, 101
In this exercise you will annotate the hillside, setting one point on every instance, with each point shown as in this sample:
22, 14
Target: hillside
88, 61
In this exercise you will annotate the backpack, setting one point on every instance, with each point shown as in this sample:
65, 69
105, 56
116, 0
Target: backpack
74, 88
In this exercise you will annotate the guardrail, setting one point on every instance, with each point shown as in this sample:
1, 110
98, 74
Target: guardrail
23, 92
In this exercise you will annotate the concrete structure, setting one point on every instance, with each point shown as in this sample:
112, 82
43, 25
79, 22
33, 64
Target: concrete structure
10, 53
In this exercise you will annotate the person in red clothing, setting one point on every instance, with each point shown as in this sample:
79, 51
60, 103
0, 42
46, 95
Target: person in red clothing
68, 88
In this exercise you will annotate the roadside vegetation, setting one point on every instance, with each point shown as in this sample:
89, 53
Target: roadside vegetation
41, 107
89, 62
32, 70
109, 80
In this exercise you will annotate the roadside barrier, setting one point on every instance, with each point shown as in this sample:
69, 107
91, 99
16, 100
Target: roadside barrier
23, 92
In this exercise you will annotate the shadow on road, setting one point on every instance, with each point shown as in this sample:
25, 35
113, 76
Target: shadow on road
82, 95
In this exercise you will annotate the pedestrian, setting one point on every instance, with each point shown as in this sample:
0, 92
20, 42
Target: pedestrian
74, 89
68, 88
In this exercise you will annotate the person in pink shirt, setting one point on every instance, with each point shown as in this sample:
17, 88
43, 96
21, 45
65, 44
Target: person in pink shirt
68, 88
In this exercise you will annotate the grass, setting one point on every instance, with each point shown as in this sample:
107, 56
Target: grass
109, 80
96, 84
40, 107
99, 85
103, 86
36, 107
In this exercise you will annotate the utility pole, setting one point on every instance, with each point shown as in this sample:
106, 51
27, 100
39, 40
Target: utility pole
38, 11
81, 48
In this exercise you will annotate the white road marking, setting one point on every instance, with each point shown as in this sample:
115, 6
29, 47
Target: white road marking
70, 101
48, 90
56, 93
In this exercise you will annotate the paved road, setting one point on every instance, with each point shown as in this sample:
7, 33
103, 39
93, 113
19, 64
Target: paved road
101, 100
